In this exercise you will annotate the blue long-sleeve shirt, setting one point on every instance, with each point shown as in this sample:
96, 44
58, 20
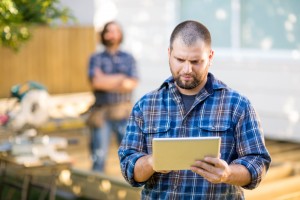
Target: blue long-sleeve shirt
119, 63
217, 111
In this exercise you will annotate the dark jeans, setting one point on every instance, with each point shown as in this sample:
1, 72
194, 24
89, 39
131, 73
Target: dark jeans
100, 141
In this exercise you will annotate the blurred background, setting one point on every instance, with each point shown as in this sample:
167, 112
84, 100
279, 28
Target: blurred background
257, 52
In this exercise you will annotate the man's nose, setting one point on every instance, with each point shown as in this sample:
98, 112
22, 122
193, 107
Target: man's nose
187, 68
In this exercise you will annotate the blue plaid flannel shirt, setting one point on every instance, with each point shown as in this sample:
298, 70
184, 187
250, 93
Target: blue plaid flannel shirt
217, 111
121, 62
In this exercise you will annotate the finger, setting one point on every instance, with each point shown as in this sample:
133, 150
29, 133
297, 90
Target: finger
206, 175
164, 171
213, 161
98, 70
198, 170
205, 166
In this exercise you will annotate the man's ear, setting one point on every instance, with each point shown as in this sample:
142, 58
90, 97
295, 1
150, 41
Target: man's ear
210, 57
211, 54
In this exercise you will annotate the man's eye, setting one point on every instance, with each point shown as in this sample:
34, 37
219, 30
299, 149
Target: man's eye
195, 62
180, 60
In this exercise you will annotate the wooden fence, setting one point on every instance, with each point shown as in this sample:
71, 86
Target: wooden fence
56, 57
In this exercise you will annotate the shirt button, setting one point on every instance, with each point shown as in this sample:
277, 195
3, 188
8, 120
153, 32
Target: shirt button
213, 128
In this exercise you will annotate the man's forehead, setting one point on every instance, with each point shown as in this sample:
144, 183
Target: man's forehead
181, 42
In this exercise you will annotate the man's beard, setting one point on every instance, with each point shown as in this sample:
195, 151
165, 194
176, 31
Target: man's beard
187, 86
110, 43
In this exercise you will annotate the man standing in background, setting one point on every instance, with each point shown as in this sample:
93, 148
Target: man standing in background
113, 77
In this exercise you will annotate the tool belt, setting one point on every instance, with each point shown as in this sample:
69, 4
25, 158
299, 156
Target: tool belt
98, 114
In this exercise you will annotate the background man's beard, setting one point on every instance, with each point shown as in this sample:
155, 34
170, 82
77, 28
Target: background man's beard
187, 86
110, 43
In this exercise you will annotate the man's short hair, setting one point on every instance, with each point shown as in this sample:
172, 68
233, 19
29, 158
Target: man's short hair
189, 32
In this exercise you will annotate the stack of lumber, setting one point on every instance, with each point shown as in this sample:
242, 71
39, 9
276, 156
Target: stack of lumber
282, 181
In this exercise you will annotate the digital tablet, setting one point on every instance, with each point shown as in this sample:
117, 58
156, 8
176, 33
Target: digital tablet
181, 153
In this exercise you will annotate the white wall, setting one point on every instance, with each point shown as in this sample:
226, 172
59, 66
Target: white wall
272, 85
83, 10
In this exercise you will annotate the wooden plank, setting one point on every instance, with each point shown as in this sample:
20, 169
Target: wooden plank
279, 147
95, 185
278, 171
291, 196
288, 156
274, 189
56, 57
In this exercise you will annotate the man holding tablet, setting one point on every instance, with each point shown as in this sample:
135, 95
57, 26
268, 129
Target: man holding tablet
194, 103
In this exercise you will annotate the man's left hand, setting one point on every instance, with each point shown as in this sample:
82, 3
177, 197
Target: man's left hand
215, 170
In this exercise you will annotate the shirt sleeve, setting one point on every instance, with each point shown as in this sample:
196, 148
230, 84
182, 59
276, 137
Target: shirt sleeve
132, 148
251, 147
133, 72
91, 66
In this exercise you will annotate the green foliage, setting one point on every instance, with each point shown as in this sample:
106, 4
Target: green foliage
18, 16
